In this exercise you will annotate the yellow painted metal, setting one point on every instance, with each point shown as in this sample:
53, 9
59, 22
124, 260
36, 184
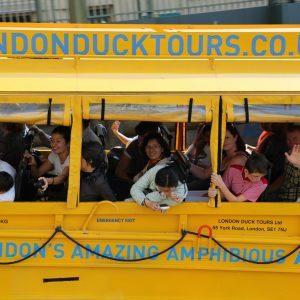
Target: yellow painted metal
194, 269
75, 153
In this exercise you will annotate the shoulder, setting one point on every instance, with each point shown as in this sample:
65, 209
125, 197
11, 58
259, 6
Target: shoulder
239, 159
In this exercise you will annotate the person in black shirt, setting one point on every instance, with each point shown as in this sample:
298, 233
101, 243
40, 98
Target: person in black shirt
93, 182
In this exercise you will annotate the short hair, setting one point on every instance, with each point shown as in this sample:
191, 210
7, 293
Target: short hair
94, 154
64, 131
147, 127
6, 182
257, 163
163, 143
167, 177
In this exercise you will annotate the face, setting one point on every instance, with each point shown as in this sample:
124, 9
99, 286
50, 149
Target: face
230, 141
58, 144
154, 150
168, 191
293, 138
253, 177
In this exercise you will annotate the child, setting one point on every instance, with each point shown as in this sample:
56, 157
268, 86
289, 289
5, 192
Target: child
159, 185
241, 184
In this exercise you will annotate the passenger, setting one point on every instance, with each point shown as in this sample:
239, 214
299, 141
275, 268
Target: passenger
57, 164
157, 150
240, 184
273, 144
132, 160
160, 185
93, 182
287, 186
121, 137
7, 194
11, 143
199, 155
234, 153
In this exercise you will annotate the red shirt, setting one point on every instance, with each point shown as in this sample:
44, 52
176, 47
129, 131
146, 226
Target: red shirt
239, 185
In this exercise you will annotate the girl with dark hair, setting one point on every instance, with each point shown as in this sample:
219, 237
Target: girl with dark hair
157, 151
56, 165
234, 152
93, 182
160, 185
234, 148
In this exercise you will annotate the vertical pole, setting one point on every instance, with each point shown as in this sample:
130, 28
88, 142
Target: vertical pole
38, 9
78, 11
150, 8
138, 3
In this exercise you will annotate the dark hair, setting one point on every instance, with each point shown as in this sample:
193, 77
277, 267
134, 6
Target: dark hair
94, 154
199, 140
64, 131
147, 127
163, 143
293, 127
257, 163
167, 177
240, 144
6, 182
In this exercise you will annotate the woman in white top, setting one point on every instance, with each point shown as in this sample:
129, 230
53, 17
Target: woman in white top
57, 163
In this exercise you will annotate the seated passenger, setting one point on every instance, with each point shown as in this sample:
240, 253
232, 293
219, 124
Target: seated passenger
160, 185
157, 150
273, 144
234, 152
199, 154
93, 182
132, 160
7, 187
288, 185
56, 167
240, 184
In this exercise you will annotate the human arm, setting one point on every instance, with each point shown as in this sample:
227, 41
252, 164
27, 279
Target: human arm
229, 196
200, 172
138, 189
55, 180
123, 138
294, 157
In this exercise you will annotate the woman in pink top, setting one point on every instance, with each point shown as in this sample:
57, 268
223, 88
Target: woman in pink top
240, 183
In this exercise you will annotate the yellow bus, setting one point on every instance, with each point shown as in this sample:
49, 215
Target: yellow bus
63, 74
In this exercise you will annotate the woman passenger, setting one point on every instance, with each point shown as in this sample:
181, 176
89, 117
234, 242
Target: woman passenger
234, 153
56, 167
157, 151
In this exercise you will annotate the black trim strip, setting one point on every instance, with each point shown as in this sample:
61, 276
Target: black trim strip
102, 109
246, 106
190, 110
46, 280
49, 112
219, 141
